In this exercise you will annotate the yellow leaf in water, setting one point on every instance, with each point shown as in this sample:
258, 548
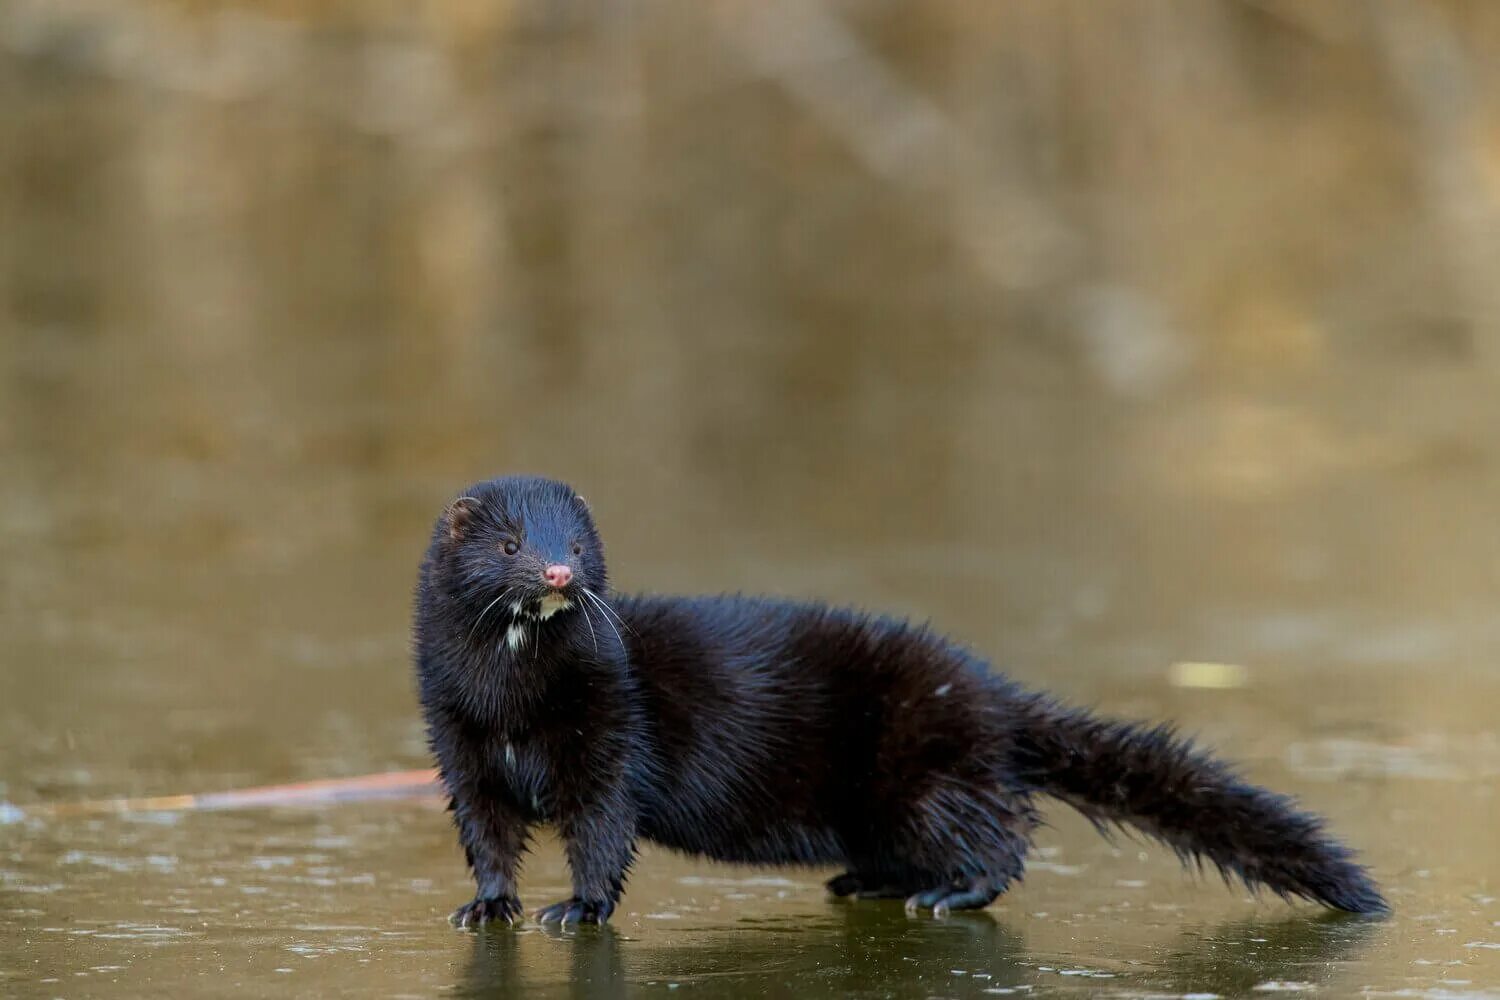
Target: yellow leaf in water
1208, 675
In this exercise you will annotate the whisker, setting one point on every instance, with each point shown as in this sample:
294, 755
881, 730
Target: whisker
587, 621
590, 595
605, 604
616, 616
487, 611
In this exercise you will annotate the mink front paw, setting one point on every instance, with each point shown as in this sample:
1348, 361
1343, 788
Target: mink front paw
846, 884
478, 912
576, 911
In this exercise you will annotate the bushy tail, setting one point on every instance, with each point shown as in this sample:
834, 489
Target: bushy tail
1159, 783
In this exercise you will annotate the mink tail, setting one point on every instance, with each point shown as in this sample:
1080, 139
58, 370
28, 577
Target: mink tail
1158, 782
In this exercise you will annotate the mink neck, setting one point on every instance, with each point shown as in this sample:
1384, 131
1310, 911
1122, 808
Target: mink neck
521, 644
510, 668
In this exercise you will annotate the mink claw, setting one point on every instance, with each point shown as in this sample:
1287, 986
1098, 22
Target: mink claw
948, 898
478, 912
926, 899
575, 911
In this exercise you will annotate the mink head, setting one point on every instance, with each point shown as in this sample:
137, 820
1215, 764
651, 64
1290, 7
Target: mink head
522, 544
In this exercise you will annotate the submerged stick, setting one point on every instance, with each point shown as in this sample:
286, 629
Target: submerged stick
419, 784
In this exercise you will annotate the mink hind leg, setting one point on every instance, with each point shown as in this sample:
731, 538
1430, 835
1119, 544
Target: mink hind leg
956, 848
978, 874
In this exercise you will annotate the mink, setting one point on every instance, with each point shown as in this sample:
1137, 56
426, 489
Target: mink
775, 732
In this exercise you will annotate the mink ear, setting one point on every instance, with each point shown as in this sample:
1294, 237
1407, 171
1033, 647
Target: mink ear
460, 514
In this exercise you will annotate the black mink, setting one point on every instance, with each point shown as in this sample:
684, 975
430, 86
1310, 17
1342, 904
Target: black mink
775, 732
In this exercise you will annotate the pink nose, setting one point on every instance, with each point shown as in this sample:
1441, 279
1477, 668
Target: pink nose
557, 576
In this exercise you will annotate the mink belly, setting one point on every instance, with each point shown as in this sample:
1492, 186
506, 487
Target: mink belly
752, 813
761, 844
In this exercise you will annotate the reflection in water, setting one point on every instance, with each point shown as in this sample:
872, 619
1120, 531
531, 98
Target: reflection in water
873, 950
498, 964
858, 950
495, 968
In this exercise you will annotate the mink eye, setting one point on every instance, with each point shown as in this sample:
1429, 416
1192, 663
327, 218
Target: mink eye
510, 548
577, 549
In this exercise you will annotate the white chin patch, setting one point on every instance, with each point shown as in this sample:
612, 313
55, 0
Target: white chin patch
552, 604
515, 636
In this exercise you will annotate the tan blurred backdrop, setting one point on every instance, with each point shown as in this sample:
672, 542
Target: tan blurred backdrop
1110, 281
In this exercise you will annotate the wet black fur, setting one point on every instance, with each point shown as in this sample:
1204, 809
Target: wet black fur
773, 732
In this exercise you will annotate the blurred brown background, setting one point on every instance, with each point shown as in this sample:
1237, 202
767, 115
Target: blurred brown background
1108, 336
1131, 285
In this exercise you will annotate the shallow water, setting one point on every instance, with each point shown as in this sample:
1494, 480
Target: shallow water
352, 899
272, 289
